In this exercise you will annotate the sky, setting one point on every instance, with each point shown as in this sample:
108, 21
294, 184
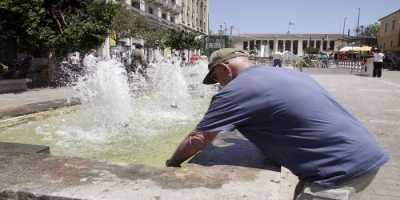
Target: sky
308, 16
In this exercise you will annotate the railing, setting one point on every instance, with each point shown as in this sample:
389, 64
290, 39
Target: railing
167, 4
362, 67
353, 65
172, 7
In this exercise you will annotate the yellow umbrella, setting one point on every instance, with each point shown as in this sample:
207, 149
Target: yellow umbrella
365, 48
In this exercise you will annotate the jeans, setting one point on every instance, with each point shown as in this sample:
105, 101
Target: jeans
351, 190
277, 62
377, 69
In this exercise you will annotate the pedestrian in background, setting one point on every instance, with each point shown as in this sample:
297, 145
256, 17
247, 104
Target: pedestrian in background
378, 63
277, 59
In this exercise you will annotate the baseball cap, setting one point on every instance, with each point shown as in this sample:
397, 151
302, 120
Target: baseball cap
220, 56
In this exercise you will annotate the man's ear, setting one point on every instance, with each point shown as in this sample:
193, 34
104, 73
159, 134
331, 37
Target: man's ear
224, 67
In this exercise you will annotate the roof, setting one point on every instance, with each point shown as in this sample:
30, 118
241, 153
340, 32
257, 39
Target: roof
389, 15
290, 35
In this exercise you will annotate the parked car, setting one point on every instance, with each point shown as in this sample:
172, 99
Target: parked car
392, 61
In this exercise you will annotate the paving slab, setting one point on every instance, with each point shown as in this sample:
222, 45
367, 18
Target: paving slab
376, 103
6, 147
238, 173
37, 100
13, 85
38, 176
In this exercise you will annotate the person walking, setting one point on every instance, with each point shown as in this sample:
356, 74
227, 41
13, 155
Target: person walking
324, 60
277, 59
378, 63
293, 121
139, 63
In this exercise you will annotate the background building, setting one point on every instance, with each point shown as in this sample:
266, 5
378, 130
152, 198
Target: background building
389, 32
194, 15
191, 15
265, 44
188, 15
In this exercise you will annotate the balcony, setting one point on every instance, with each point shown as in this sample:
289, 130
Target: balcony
174, 8
168, 5
157, 2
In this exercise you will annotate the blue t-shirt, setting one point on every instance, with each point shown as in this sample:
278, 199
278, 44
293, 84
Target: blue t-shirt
295, 122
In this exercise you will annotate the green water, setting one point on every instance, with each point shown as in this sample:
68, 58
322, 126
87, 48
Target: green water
149, 138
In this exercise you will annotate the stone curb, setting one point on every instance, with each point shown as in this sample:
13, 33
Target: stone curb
37, 107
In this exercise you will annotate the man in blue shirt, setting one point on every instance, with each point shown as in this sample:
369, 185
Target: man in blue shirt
293, 121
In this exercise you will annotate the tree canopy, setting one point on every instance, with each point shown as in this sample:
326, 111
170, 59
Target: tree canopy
131, 24
64, 25
182, 40
41, 26
371, 30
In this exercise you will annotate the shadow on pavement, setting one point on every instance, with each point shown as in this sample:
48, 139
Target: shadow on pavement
233, 149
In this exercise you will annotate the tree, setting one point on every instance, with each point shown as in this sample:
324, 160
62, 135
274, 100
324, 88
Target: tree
371, 30
129, 23
312, 50
57, 27
180, 40
156, 38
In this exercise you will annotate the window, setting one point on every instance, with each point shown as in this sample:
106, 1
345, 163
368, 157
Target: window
324, 45
280, 45
258, 45
172, 19
164, 16
245, 45
393, 25
265, 42
305, 44
251, 44
288, 44
398, 40
295, 47
318, 46
136, 4
312, 44
332, 45
386, 27
151, 10
271, 44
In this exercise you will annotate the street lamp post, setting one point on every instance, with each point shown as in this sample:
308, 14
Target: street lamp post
344, 25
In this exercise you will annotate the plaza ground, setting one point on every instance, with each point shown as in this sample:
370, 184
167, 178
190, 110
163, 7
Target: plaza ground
226, 170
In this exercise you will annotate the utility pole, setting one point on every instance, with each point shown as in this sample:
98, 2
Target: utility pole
221, 29
231, 30
358, 22
344, 25
225, 29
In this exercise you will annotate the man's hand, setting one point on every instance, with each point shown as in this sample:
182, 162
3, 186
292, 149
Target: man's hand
192, 144
170, 163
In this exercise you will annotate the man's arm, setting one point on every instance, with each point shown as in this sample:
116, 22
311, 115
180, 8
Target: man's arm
193, 143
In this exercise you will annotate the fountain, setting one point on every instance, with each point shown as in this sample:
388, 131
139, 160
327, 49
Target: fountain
120, 122
290, 59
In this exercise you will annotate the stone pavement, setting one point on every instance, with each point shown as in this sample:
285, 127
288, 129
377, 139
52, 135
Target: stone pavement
37, 176
376, 102
36, 100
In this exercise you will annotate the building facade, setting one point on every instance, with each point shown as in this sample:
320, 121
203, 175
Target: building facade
194, 15
266, 44
191, 15
389, 32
